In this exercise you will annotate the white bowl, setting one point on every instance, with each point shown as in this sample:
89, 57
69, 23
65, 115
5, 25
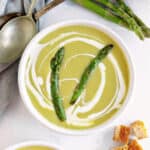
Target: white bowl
22, 69
33, 143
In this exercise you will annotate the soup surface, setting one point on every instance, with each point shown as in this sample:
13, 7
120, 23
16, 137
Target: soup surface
35, 148
106, 90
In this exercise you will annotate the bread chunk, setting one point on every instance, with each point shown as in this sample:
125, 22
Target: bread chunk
139, 130
134, 145
121, 134
125, 147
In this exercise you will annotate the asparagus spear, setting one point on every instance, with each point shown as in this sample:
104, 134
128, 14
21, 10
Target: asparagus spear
101, 11
88, 71
131, 22
56, 98
127, 9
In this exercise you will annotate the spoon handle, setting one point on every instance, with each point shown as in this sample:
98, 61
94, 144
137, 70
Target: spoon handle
33, 2
49, 6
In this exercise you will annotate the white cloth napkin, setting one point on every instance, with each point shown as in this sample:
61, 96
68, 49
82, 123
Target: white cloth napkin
7, 6
8, 78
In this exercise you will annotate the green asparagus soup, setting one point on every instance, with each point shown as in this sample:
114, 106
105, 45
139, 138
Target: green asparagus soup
105, 91
35, 148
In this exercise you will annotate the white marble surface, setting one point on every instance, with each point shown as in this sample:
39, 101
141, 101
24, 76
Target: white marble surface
17, 125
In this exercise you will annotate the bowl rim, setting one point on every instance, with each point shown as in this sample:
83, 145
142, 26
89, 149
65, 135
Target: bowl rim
43, 120
33, 143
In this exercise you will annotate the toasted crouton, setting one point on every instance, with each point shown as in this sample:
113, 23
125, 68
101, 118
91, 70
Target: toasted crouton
122, 134
134, 145
125, 147
139, 130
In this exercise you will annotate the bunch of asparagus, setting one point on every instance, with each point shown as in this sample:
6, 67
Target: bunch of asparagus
119, 13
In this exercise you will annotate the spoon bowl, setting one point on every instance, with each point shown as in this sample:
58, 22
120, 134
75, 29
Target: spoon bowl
14, 36
12, 43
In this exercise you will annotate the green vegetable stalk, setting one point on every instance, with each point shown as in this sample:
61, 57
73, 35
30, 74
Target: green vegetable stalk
128, 10
88, 71
56, 98
130, 21
117, 12
89, 4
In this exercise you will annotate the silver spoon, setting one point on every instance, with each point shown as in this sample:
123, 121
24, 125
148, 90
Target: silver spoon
8, 54
15, 35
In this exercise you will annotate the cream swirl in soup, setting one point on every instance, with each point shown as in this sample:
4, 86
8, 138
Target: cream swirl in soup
106, 90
